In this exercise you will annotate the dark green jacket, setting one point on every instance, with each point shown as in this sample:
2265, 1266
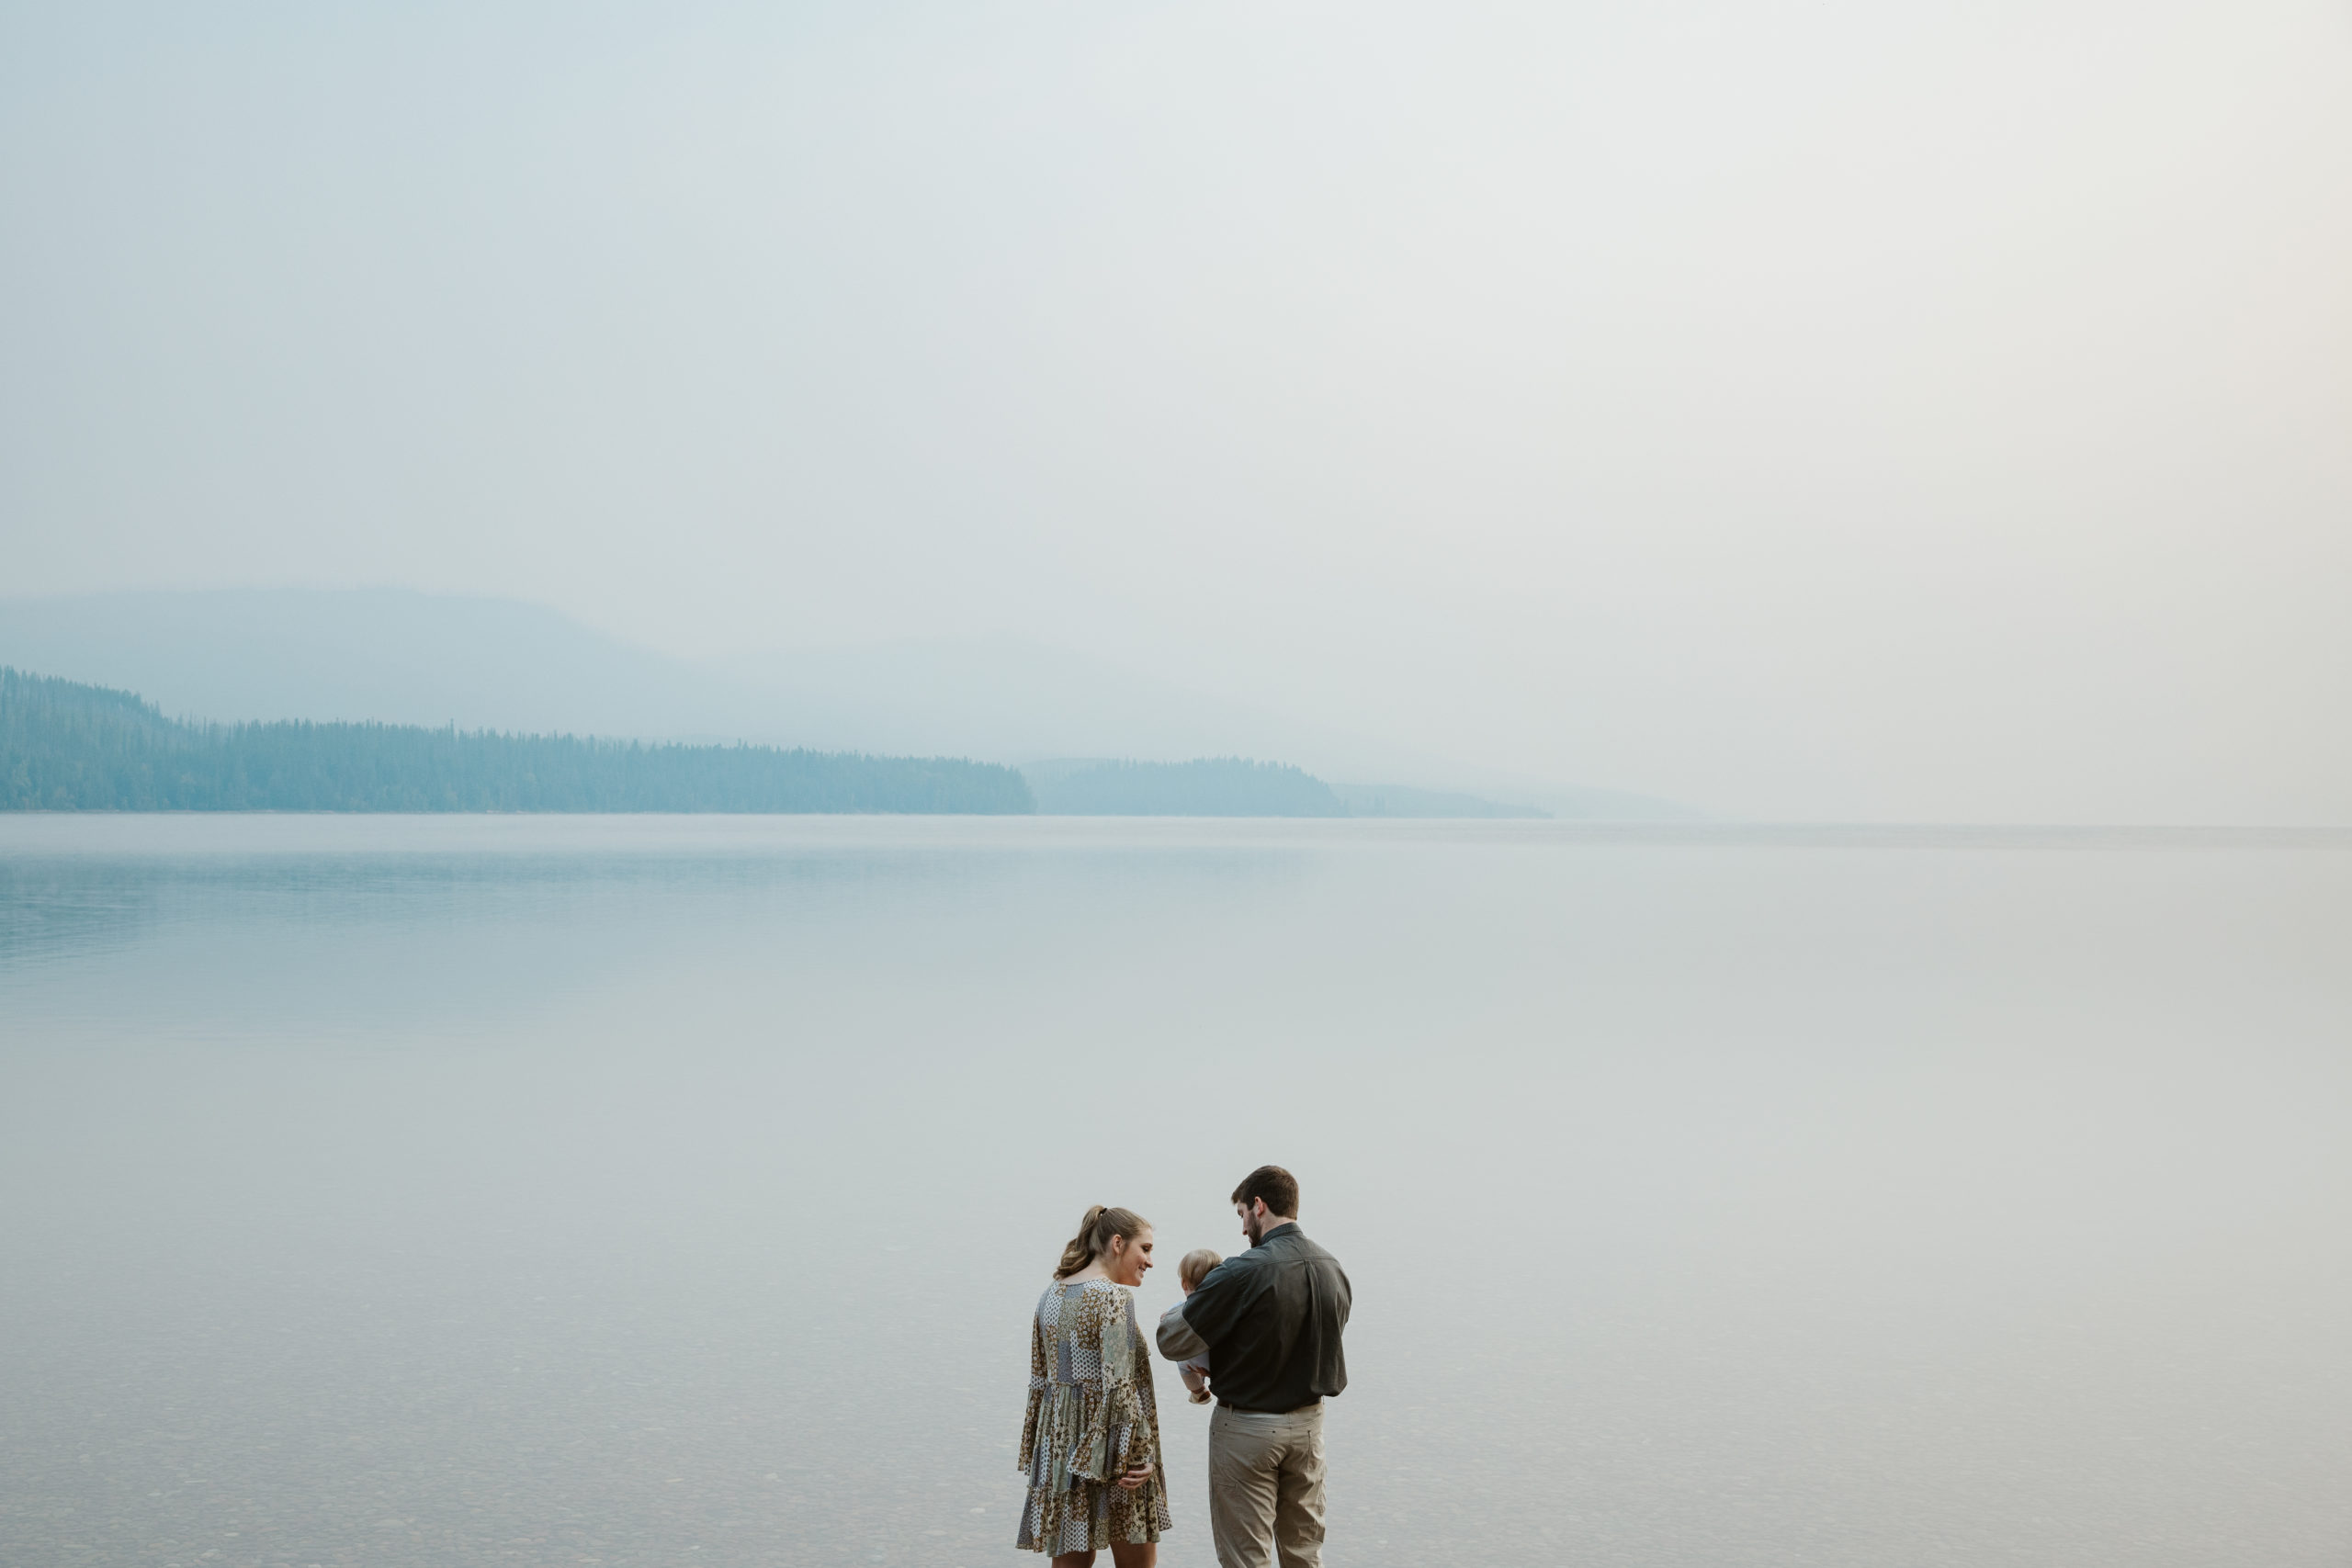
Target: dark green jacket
1270, 1320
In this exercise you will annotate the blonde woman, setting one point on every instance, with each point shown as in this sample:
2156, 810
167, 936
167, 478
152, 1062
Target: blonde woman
1090, 1443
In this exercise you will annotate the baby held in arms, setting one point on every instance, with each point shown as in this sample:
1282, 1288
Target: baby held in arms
1190, 1269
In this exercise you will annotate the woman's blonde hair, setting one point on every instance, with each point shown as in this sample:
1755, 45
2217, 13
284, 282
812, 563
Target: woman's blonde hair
1094, 1234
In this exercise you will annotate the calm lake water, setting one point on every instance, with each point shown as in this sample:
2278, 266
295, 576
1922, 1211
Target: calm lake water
413, 1191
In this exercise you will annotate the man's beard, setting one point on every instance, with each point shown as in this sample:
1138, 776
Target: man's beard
1255, 1229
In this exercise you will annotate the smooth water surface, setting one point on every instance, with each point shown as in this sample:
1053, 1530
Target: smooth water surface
425, 1191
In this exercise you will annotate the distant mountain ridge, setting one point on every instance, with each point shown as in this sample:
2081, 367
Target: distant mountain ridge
1402, 800
1207, 787
69, 747
65, 746
400, 657
383, 655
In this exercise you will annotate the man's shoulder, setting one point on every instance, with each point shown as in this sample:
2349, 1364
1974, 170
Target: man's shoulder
1239, 1267
1242, 1278
1297, 1246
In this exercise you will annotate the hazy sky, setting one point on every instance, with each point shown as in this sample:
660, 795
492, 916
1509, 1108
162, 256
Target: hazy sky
1806, 410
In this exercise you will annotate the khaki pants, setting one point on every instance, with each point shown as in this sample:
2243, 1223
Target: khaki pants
1266, 1488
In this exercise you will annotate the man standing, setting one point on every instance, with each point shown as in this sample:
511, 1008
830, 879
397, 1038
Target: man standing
1270, 1321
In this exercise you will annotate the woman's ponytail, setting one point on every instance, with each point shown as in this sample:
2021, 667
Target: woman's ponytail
1094, 1234
1081, 1251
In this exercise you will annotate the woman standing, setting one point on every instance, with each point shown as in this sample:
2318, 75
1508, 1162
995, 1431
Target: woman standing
1091, 1444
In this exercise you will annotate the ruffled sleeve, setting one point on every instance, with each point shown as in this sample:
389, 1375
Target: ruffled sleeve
1123, 1427
1038, 1366
1094, 1457
1144, 1444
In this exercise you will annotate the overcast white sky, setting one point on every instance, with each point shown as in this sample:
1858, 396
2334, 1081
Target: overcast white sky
1819, 411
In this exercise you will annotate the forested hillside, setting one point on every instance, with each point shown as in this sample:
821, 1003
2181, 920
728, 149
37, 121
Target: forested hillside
67, 747
1211, 786
1403, 800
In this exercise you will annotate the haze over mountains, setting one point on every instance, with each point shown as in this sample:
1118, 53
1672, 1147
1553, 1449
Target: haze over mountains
401, 656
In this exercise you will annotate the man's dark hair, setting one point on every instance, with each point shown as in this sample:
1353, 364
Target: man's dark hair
1278, 1187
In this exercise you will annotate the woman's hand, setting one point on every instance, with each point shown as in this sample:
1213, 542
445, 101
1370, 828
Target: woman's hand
1134, 1476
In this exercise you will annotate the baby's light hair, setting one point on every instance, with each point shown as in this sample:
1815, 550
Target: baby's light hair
1194, 1266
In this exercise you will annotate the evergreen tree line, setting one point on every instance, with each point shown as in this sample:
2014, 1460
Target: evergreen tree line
68, 747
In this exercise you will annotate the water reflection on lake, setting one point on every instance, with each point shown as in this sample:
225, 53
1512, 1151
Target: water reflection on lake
412, 1192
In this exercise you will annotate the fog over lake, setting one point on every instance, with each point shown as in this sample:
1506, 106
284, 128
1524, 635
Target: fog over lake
400, 1192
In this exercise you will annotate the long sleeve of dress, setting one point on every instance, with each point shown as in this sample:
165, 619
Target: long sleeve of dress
1101, 1451
1039, 1369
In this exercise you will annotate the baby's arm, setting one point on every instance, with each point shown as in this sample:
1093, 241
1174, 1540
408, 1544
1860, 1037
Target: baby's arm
1197, 1380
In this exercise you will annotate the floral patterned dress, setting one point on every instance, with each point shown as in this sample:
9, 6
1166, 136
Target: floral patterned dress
1091, 1415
